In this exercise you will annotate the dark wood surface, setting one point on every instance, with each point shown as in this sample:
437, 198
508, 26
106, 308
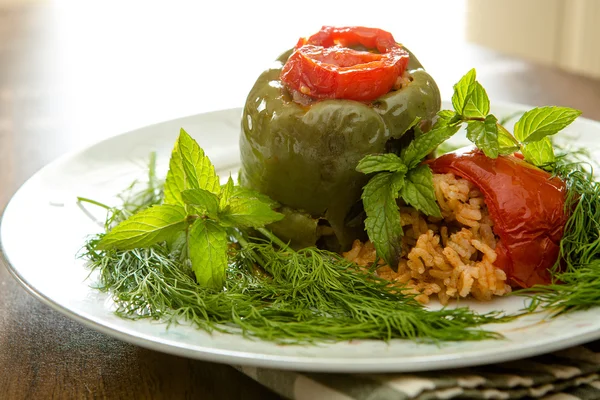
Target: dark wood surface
57, 95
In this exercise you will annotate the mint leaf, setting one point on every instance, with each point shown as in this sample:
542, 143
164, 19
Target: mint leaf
397, 182
419, 148
543, 121
485, 135
189, 168
539, 153
202, 199
207, 250
175, 182
381, 162
506, 143
462, 91
383, 217
446, 115
150, 226
418, 191
199, 171
240, 191
248, 211
226, 192
478, 102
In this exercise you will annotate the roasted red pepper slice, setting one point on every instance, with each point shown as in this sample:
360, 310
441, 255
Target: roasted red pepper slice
526, 205
324, 67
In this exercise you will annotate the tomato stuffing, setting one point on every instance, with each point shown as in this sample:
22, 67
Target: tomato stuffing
526, 205
324, 66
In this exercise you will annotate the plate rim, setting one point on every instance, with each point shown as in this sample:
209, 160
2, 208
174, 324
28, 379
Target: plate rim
284, 362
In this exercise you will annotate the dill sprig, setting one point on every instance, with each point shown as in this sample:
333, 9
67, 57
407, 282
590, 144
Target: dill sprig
275, 293
138, 196
306, 296
576, 275
272, 292
312, 295
338, 297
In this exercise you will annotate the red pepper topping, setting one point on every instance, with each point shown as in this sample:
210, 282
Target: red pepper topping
324, 67
526, 205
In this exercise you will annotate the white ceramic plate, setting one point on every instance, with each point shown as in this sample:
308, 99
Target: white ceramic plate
44, 261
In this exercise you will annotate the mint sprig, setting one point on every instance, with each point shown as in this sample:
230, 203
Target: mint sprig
152, 225
199, 173
539, 153
418, 192
204, 202
381, 162
248, 210
536, 124
382, 223
207, 243
425, 143
472, 106
477, 103
404, 176
462, 92
485, 135
197, 214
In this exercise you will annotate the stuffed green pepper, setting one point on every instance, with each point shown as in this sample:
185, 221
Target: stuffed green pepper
337, 96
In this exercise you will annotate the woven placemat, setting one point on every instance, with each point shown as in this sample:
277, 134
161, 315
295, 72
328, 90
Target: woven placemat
568, 374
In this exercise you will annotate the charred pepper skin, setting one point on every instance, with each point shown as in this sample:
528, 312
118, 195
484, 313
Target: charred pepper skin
304, 156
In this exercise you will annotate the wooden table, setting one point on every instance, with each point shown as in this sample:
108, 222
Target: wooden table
52, 102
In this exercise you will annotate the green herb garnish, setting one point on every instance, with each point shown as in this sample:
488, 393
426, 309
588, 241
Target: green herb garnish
400, 176
306, 296
198, 250
271, 292
403, 176
532, 131
194, 203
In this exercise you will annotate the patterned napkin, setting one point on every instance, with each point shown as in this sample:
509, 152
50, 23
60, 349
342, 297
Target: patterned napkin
570, 374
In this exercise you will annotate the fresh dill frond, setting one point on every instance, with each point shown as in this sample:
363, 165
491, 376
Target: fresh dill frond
139, 195
576, 275
271, 292
312, 295
346, 302
307, 296
136, 197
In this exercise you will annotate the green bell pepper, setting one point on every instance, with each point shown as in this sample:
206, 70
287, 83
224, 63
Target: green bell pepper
304, 156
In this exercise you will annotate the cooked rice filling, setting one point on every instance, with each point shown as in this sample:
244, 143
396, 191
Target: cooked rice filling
450, 257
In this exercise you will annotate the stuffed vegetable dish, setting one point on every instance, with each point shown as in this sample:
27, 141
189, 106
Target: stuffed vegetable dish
346, 93
349, 216
338, 96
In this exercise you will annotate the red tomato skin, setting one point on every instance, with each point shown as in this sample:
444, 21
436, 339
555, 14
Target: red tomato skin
323, 67
526, 205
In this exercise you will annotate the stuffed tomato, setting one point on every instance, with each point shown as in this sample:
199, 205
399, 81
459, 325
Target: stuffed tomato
337, 96
526, 205
500, 226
